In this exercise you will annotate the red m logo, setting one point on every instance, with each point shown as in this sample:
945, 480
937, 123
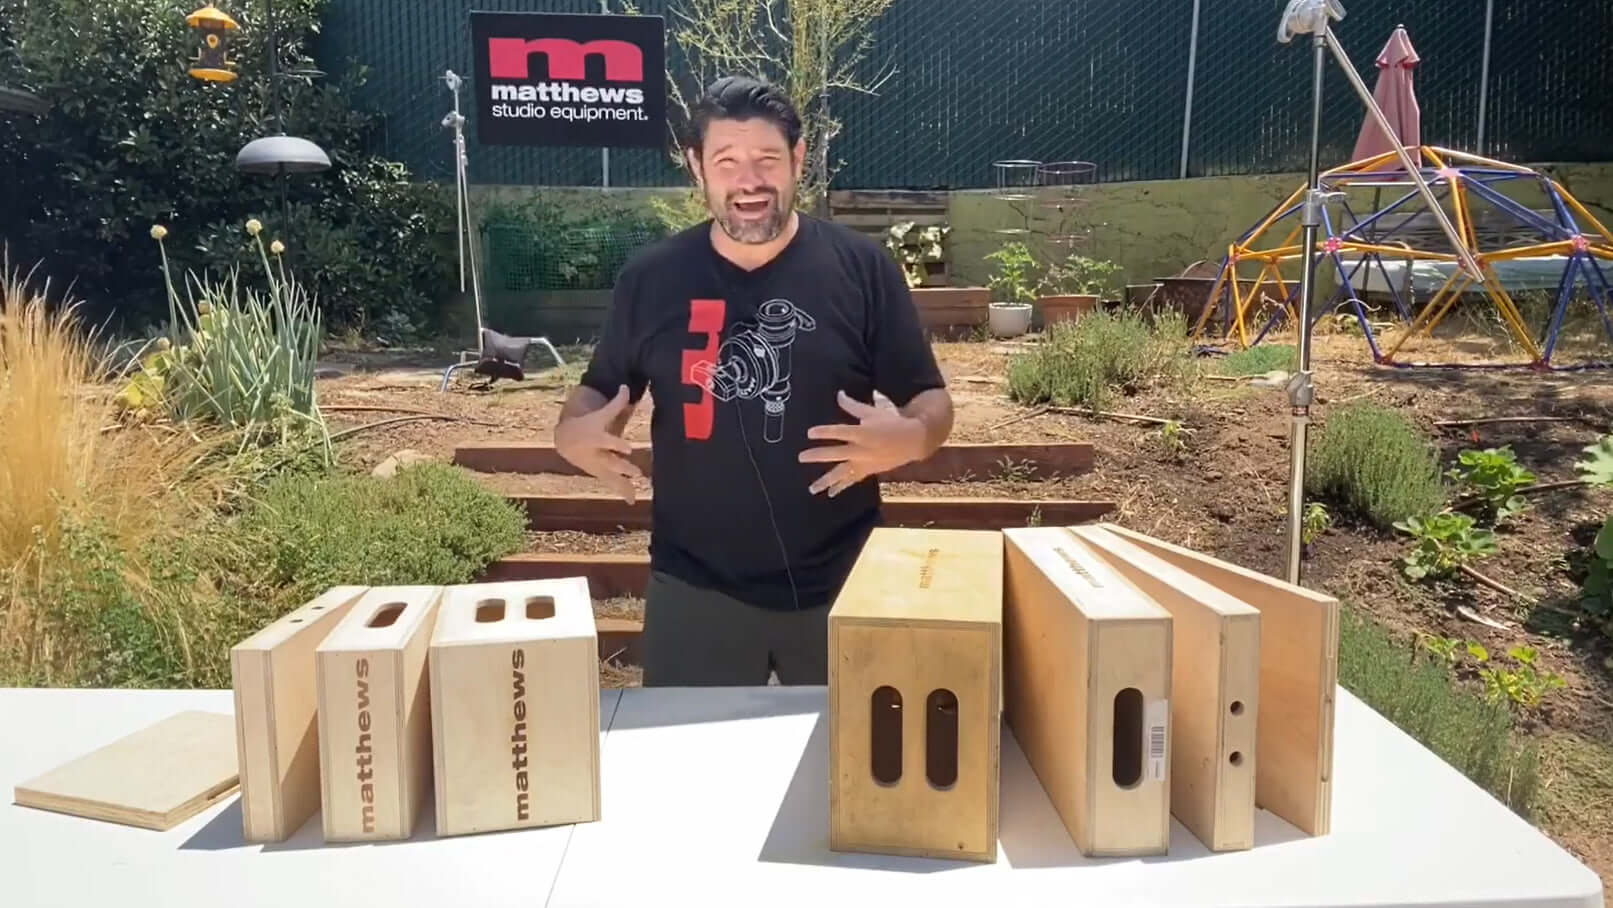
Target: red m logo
508, 58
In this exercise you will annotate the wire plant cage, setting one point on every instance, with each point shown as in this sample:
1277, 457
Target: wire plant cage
1016, 184
1061, 196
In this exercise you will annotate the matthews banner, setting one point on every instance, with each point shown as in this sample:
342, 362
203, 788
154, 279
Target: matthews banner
569, 79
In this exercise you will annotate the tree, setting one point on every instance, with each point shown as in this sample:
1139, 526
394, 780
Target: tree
813, 49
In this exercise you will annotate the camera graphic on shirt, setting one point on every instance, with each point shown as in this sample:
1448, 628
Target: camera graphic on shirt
754, 362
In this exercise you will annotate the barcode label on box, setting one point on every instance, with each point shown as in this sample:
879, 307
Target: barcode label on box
1155, 722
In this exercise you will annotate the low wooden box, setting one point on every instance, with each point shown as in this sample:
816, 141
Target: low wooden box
1299, 651
915, 701
277, 715
515, 706
375, 715
1088, 680
1215, 673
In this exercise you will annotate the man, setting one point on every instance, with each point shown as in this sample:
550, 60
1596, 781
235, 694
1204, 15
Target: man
761, 335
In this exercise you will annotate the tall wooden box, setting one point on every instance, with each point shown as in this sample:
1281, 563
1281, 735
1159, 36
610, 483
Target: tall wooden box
515, 706
915, 701
1088, 679
375, 715
277, 716
1215, 673
1299, 649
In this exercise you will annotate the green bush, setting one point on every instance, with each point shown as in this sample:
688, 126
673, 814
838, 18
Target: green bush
1085, 362
1418, 694
132, 139
432, 523
1372, 461
1260, 360
167, 617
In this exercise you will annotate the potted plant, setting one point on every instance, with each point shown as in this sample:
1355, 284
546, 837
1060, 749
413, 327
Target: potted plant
1010, 311
1073, 287
919, 251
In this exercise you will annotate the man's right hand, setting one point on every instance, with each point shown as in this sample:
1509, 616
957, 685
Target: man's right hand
587, 442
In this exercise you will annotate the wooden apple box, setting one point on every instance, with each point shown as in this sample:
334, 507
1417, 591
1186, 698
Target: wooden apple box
1088, 684
1299, 648
1215, 673
277, 715
515, 706
915, 696
375, 715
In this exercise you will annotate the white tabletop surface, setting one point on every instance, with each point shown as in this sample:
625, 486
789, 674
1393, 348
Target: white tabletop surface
719, 796
50, 859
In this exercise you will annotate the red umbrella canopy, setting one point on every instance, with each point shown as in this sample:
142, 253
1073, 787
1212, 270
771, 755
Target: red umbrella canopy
1395, 97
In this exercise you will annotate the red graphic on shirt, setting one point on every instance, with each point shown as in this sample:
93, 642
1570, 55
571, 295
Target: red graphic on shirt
705, 317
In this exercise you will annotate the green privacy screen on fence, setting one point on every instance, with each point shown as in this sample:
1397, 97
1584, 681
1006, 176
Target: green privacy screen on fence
1105, 81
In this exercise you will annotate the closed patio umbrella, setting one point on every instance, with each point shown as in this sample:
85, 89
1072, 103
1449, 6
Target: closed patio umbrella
1396, 98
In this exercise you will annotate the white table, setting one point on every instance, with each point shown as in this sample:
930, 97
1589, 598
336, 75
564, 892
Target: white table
720, 796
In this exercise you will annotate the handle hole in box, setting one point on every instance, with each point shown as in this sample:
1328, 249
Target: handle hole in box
885, 739
1236, 758
941, 738
388, 614
1237, 707
539, 607
489, 610
1128, 737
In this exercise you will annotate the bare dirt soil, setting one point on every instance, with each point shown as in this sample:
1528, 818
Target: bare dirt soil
1219, 486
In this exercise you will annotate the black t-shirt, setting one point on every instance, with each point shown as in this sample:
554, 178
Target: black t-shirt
739, 364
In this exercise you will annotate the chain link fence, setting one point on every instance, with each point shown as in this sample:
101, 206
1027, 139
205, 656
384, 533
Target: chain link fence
1105, 81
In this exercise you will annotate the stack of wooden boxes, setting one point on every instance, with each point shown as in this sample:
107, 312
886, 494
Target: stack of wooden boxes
479, 702
1141, 680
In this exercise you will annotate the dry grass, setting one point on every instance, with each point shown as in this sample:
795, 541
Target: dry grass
65, 459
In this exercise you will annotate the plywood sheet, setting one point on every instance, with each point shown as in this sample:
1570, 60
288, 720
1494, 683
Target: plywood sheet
1215, 674
277, 716
1299, 641
154, 778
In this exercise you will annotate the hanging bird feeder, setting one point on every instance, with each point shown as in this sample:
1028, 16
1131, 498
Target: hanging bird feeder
212, 63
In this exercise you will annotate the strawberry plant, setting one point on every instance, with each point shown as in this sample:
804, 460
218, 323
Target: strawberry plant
1444, 542
1495, 475
1525, 685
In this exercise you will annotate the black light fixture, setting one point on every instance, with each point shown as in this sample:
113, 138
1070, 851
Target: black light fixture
279, 154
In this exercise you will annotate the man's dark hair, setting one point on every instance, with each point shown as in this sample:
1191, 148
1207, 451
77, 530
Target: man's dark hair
742, 98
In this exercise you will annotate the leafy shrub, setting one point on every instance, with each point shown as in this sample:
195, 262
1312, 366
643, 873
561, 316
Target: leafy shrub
1444, 542
1259, 360
432, 523
1495, 475
1372, 461
1084, 362
131, 139
91, 620
1419, 694
1597, 592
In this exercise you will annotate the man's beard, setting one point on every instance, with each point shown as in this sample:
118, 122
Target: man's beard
764, 230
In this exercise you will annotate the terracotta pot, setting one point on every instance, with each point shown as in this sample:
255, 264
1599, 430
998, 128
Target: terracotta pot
1065, 306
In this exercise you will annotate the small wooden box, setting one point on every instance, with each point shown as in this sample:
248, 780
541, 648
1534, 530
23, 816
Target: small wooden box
1215, 674
1088, 681
1299, 650
375, 715
915, 696
515, 706
277, 716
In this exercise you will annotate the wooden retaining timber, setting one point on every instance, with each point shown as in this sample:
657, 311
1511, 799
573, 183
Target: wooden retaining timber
952, 463
607, 514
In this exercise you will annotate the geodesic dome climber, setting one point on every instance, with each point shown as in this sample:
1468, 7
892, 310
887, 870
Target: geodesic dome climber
1528, 235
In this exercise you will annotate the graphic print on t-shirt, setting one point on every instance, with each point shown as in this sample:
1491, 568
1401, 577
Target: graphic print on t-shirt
753, 362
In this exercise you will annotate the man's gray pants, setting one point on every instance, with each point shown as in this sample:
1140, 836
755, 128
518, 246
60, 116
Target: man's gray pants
699, 638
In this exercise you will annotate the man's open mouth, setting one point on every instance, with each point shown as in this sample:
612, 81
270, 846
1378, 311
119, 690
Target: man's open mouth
751, 206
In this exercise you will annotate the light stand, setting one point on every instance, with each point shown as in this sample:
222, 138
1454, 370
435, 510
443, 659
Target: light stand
496, 355
1311, 17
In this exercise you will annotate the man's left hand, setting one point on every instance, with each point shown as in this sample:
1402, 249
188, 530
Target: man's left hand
881, 440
